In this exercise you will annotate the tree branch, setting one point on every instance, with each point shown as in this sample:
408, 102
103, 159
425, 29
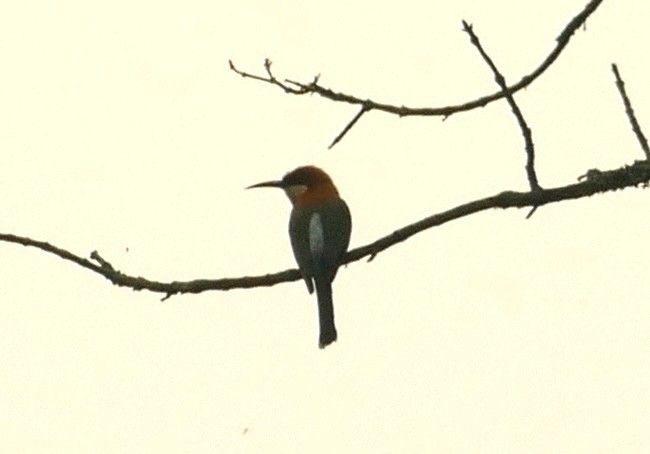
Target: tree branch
301, 88
525, 130
365, 108
630, 113
593, 182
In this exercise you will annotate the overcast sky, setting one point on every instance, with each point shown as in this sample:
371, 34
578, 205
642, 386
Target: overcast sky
124, 131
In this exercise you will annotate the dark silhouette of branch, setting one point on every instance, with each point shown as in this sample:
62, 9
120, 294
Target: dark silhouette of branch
104, 268
351, 123
525, 130
630, 113
301, 88
593, 182
270, 78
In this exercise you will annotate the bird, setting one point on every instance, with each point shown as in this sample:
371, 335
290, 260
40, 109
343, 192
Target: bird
319, 230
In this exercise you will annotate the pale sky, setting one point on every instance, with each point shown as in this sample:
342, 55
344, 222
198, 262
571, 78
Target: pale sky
123, 130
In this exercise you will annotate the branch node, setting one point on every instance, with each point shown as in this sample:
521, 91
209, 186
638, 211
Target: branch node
103, 263
591, 174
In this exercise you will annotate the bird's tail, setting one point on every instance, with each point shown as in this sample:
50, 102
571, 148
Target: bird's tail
325, 313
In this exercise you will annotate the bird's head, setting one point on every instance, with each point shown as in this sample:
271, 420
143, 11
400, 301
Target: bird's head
306, 185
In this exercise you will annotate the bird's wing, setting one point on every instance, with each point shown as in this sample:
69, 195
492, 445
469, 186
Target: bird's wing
299, 235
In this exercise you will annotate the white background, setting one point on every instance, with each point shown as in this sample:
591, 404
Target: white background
123, 130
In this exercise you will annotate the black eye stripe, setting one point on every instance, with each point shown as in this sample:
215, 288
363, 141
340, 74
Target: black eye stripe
294, 180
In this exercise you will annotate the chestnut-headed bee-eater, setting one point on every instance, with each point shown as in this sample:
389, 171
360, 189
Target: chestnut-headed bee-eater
319, 229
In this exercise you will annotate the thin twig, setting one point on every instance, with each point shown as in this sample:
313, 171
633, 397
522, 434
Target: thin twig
271, 79
351, 123
103, 263
525, 129
531, 212
630, 112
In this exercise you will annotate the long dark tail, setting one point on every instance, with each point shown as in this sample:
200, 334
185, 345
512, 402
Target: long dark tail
325, 313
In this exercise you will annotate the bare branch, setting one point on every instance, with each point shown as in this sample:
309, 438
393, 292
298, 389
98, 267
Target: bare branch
593, 182
630, 113
103, 263
525, 130
140, 283
345, 130
301, 88
271, 79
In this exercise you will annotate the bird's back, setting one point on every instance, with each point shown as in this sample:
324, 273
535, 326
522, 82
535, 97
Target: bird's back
320, 235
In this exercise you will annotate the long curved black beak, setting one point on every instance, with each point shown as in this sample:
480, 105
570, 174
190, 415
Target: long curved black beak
268, 184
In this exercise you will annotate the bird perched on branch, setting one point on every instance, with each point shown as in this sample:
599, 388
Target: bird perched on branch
319, 229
